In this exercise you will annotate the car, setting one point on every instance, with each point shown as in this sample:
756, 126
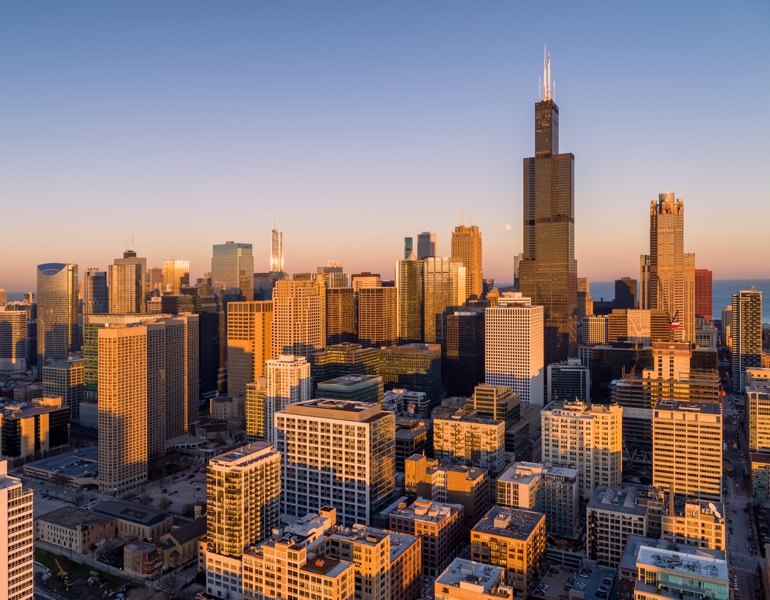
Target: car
197, 489
607, 580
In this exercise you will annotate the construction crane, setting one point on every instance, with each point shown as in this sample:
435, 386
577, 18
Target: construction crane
673, 321
63, 575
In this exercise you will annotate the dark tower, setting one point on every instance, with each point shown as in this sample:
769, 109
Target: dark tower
549, 269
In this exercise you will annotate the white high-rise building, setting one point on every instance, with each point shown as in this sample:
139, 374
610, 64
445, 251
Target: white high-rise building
288, 382
17, 574
585, 437
337, 453
514, 347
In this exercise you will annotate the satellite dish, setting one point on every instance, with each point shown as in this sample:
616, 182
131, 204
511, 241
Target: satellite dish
714, 510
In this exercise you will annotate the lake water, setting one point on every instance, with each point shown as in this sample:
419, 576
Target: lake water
722, 293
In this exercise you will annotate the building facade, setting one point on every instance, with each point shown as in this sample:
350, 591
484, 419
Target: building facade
57, 311
17, 575
746, 335
466, 245
249, 343
513, 354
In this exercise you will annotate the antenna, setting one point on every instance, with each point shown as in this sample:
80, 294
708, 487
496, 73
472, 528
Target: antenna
546, 73
462, 217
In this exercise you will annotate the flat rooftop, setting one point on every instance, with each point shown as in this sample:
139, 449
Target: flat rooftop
522, 473
371, 536
465, 416
709, 408
69, 517
514, 523
635, 543
80, 463
617, 500
350, 381
670, 560
426, 510
345, 410
134, 513
471, 576
243, 456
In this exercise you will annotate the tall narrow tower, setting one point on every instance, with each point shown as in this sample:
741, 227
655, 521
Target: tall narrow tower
549, 270
276, 252
466, 244
668, 274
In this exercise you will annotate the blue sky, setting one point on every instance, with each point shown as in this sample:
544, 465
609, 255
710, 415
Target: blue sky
355, 124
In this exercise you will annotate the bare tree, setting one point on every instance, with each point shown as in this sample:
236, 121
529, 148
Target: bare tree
173, 584
164, 503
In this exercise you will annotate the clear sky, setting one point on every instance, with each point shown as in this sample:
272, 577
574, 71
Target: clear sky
188, 123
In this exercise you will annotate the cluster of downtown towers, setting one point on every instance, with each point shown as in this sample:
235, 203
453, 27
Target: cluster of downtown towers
311, 311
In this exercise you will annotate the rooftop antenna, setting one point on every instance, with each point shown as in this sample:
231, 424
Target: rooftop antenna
462, 217
546, 73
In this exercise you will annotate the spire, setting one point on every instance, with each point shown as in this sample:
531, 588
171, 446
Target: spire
546, 91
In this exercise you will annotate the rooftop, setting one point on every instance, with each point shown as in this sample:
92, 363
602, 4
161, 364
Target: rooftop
426, 510
185, 533
523, 473
711, 408
243, 456
134, 513
69, 517
464, 416
617, 500
350, 381
471, 576
682, 562
79, 463
345, 410
371, 536
515, 523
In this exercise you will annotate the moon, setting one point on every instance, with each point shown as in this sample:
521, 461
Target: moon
507, 226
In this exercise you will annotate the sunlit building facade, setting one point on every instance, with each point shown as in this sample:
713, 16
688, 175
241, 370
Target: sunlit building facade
232, 272
466, 245
17, 574
57, 311
176, 274
249, 343
299, 317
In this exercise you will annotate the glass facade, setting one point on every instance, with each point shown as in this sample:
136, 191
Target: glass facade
57, 310
232, 271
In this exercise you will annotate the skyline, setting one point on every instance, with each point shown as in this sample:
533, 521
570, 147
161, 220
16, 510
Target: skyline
339, 111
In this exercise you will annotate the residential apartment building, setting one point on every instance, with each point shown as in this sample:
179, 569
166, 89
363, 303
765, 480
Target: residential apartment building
468, 438
586, 437
339, 454
17, 575
513, 539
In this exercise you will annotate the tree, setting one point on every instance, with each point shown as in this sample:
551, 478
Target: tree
188, 510
173, 584
164, 503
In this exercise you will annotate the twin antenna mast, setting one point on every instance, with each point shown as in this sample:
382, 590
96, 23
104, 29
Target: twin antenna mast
546, 89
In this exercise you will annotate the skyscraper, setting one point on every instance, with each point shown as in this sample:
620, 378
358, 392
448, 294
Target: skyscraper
625, 293
123, 409
288, 382
703, 294
408, 247
668, 274
377, 317
249, 343
549, 270
13, 341
17, 574
466, 245
409, 287
299, 317
464, 358
57, 311
276, 252
232, 271
443, 286
176, 273
426, 244
64, 379
340, 315
128, 284
95, 295
514, 347
746, 334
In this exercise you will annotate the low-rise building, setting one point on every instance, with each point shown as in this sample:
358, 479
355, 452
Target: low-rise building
513, 539
180, 546
613, 514
33, 430
440, 525
136, 521
284, 569
143, 560
456, 484
467, 580
413, 436
671, 573
388, 564
79, 531
694, 522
